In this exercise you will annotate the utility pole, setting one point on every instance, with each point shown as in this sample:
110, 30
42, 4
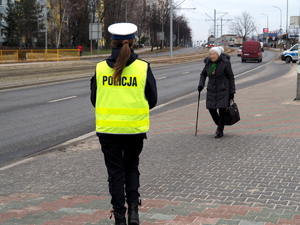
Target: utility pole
267, 38
171, 29
215, 21
287, 22
221, 27
223, 24
178, 35
171, 25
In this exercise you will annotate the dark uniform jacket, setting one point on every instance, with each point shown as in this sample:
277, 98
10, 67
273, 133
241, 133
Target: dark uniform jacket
150, 89
220, 85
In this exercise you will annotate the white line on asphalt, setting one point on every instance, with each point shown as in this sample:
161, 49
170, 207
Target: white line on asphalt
185, 72
62, 99
161, 78
253, 69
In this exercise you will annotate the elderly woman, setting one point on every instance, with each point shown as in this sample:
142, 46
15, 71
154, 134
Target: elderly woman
221, 86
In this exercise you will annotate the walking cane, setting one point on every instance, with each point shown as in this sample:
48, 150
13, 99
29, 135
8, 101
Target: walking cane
197, 115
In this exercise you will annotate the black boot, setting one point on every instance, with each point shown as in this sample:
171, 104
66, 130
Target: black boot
119, 219
133, 214
219, 132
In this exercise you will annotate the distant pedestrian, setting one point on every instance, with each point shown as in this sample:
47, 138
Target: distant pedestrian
220, 88
80, 49
123, 91
284, 47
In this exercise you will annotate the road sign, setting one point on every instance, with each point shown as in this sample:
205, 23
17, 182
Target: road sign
95, 31
266, 30
160, 36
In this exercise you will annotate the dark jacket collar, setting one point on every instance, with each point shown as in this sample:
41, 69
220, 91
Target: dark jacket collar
111, 60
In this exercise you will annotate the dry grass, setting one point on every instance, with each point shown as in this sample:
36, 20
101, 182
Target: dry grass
158, 51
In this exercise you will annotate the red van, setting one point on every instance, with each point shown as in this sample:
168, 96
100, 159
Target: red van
251, 51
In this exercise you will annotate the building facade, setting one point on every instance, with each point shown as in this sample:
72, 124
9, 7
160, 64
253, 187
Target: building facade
295, 21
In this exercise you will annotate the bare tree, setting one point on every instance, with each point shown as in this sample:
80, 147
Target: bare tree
242, 25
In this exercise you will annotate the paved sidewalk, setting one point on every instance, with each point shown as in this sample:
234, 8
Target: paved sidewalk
249, 177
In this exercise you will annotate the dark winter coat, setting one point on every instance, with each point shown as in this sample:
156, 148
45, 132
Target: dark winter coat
220, 85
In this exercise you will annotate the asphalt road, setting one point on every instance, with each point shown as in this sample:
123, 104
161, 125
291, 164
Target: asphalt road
38, 117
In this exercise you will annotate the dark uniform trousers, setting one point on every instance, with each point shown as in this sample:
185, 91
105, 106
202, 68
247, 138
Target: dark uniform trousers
121, 155
218, 118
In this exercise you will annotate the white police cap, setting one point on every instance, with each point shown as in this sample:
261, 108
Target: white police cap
122, 31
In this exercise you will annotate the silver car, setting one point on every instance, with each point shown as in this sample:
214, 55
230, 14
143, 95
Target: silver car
239, 51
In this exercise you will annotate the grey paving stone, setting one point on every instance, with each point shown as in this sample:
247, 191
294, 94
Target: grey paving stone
159, 216
251, 223
228, 222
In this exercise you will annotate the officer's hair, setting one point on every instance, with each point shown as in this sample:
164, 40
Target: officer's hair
123, 57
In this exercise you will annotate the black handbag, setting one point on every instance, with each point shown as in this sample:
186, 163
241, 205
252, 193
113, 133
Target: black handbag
232, 115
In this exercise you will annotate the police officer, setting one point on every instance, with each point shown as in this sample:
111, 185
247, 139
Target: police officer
123, 91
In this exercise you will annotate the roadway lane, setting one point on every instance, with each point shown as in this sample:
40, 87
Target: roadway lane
38, 117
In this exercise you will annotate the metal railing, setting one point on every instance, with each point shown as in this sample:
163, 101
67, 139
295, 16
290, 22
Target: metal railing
38, 55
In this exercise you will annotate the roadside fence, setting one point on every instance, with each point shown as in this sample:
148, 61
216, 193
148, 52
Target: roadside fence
38, 55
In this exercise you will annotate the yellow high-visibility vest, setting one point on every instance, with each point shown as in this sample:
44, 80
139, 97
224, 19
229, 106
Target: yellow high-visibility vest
122, 108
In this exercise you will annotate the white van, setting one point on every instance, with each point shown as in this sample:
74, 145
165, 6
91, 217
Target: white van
290, 55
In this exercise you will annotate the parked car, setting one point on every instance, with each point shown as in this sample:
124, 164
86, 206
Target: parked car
290, 55
251, 51
239, 51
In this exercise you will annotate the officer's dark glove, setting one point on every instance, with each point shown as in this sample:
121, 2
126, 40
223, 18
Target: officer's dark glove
200, 88
231, 96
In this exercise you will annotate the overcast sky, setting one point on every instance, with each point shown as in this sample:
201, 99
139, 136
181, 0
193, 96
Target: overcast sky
197, 18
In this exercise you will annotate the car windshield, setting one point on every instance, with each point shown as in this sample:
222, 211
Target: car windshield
294, 48
240, 48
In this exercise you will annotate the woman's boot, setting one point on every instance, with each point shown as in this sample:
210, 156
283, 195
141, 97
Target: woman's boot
133, 214
219, 132
119, 219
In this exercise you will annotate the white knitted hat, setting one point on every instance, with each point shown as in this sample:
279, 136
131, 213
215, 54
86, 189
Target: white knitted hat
217, 50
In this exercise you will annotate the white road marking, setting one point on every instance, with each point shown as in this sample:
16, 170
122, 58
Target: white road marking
185, 72
161, 78
62, 99
253, 69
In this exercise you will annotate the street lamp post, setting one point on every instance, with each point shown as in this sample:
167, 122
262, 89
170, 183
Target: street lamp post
280, 24
267, 26
287, 21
